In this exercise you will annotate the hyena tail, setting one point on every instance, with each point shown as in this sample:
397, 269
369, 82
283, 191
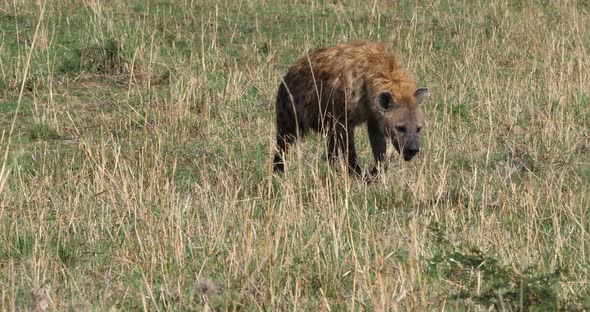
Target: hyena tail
289, 127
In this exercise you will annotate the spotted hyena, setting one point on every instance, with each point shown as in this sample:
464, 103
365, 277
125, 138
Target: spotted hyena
334, 89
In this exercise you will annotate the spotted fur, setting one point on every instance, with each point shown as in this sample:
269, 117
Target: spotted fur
332, 90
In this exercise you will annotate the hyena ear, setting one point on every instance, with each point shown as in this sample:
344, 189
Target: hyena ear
420, 94
385, 101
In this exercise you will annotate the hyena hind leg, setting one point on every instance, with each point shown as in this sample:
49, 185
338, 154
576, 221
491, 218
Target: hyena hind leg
283, 142
290, 126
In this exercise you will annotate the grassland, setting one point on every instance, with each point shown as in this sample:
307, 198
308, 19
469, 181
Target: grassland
136, 139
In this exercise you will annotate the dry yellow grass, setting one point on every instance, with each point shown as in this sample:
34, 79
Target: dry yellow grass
138, 175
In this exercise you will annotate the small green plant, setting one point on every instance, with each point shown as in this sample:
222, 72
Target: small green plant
501, 286
43, 132
106, 58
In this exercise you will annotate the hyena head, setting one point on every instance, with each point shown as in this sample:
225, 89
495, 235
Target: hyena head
403, 120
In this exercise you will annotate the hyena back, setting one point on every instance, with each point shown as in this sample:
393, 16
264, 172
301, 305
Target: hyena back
334, 89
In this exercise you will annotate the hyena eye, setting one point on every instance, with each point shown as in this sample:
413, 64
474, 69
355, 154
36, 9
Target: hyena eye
400, 129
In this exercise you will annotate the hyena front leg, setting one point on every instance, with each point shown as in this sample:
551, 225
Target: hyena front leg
378, 145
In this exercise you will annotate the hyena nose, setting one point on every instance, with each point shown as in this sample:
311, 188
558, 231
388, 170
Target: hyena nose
410, 151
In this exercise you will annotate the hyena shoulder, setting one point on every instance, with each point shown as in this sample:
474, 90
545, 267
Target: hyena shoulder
353, 68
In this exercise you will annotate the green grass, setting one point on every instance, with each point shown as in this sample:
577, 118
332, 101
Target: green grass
138, 174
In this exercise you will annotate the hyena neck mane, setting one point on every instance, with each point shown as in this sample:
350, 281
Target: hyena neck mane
387, 75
